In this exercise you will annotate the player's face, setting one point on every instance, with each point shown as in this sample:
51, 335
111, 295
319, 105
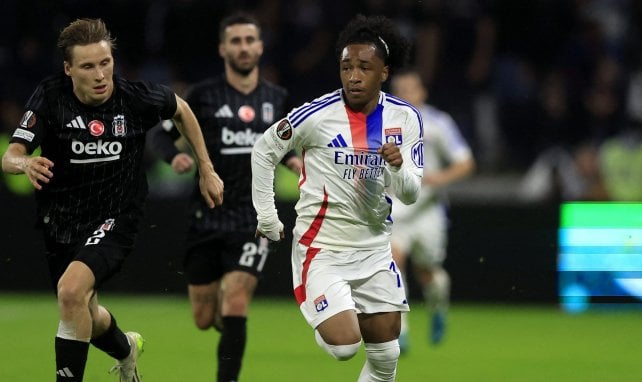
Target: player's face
92, 72
241, 48
362, 73
409, 87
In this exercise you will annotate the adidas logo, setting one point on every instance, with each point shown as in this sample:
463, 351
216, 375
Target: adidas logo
338, 141
77, 123
65, 373
224, 112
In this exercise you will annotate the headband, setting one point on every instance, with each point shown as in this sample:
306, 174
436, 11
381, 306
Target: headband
385, 46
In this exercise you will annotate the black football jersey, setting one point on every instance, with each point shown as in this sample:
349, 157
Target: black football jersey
231, 123
97, 151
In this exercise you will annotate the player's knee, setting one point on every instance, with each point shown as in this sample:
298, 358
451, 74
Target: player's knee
381, 361
70, 296
203, 320
339, 352
383, 352
236, 305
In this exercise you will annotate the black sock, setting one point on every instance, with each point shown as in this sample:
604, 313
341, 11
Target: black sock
231, 346
113, 342
71, 357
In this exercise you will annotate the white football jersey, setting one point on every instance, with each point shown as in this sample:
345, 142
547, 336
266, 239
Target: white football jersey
443, 144
343, 204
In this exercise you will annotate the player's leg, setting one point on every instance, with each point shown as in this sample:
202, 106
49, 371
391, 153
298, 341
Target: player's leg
400, 256
380, 333
108, 337
104, 253
325, 299
74, 290
435, 283
380, 299
205, 302
427, 267
243, 257
203, 270
237, 288
339, 335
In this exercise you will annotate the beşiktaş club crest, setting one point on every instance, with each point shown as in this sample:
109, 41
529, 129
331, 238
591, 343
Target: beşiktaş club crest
119, 126
267, 112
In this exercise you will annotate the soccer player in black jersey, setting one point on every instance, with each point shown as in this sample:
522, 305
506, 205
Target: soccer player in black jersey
224, 259
91, 185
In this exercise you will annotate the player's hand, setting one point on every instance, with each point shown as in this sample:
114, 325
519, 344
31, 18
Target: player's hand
272, 230
391, 154
38, 169
211, 185
182, 163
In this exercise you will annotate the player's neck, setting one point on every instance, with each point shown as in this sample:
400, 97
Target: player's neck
243, 83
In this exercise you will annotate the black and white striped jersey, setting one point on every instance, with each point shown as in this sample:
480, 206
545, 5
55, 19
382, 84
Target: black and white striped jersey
97, 151
231, 122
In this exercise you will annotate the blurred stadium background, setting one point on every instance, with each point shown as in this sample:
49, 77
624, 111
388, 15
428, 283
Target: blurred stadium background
547, 92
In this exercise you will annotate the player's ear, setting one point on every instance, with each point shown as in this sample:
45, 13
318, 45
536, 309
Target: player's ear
67, 67
221, 50
384, 73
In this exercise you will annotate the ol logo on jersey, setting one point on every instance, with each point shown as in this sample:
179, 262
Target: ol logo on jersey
320, 303
393, 134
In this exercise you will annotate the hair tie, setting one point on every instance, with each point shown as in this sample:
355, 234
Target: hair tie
385, 46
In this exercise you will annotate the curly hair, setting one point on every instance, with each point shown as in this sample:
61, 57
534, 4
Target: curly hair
379, 31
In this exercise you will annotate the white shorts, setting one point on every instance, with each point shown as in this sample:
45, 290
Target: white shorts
423, 235
329, 282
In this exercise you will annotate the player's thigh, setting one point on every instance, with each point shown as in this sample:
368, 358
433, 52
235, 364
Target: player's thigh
380, 327
237, 288
341, 328
204, 297
430, 248
322, 289
238, 283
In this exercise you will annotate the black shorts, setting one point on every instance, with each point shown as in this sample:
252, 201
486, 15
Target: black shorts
208, 261
103, 251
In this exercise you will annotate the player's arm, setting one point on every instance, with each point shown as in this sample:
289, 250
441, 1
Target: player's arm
16, 161
162, 141
266, 154
210, 183
452, 173
404, 166
293, 162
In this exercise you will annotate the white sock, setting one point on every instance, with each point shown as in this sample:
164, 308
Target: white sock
381, 362
437, 293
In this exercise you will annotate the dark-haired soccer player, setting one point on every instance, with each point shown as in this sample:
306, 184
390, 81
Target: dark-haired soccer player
224, 260
91, 185
355, 142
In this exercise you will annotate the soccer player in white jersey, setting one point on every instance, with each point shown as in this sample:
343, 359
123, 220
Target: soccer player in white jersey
355, 142
420, 230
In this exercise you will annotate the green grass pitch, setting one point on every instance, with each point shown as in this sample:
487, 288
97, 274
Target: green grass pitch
520, 343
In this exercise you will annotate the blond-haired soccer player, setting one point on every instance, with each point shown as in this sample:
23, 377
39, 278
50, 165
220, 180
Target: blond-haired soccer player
90, 185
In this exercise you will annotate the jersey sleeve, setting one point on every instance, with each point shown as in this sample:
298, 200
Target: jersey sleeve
267, 152
154, 99
162, 138
455, 147
31, 128
406, 180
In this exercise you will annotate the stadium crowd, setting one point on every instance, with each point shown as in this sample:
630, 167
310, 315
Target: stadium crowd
550, 90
